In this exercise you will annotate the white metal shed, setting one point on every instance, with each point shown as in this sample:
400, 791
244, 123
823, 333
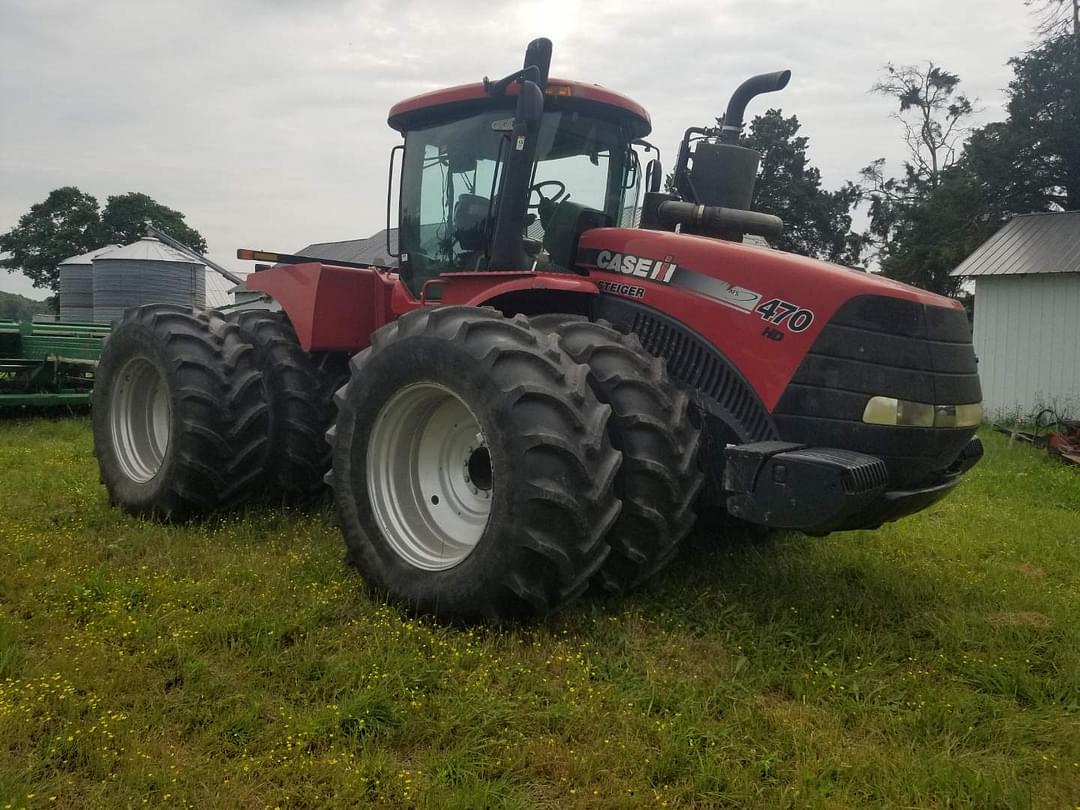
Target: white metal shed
1027, 315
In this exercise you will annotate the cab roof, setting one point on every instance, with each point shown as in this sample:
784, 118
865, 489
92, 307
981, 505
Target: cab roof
464, 99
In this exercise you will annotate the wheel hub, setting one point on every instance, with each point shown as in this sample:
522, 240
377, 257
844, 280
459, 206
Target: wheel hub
429, 476
141, 417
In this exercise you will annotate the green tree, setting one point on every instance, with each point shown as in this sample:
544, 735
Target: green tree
16, 307
65, 224
1057, 18
914, 229
125, 216
930, 236
1031, 161
927, 224
817, 222
932, 114
68, 222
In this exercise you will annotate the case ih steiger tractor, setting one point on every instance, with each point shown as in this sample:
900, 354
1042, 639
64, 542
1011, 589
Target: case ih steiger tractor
538, 397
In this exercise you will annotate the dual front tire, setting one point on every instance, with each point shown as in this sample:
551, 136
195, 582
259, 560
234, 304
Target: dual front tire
494, 468
472, 469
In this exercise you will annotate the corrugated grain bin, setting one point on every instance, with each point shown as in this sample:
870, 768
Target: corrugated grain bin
145, 272
77, 286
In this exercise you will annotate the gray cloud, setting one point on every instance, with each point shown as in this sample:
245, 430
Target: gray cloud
264, 120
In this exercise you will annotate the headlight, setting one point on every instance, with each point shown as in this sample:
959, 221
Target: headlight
904, 413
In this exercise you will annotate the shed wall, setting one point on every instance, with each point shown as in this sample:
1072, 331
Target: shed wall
1027, 338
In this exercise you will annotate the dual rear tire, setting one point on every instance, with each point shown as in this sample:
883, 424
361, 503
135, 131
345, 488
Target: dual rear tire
180, 417
299, 390
195, 412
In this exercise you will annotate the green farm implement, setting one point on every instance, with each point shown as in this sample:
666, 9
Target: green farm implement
45, 364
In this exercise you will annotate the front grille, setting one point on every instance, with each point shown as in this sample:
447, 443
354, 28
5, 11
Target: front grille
876, 345
693, 363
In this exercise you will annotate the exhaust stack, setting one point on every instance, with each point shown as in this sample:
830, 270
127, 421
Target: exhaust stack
736, 108
718, 172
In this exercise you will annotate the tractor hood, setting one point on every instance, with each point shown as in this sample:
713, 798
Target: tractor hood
761, 308
734, 263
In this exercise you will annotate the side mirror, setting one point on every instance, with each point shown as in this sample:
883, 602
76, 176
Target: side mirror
633, 169
530, 105
390, 251
654, 172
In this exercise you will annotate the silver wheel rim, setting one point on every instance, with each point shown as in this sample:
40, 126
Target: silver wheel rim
141, 419
429, 476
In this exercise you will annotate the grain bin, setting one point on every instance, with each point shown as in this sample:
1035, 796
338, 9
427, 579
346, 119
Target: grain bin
145, 272
77, 286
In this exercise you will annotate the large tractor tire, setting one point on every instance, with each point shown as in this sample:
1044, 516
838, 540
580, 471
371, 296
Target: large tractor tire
300, 388
650, 423
180, 419
473, 473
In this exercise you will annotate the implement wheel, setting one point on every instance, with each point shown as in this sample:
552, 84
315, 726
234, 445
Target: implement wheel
472, 471
179, 417
300, 388
660, 476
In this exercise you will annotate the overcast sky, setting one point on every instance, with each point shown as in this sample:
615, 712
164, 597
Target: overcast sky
264, 121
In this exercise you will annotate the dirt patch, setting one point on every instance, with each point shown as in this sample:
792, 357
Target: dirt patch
1023, 618
1030, 570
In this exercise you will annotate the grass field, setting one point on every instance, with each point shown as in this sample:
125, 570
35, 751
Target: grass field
934, 663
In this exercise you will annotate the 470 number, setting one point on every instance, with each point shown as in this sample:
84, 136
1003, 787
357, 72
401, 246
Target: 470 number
784, 313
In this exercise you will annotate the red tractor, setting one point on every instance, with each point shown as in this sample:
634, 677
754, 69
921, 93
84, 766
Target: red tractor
539, 395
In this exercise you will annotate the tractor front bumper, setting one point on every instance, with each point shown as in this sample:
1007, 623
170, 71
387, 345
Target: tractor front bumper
819, 490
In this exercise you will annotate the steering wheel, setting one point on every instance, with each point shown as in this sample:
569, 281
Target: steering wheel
558, 195
546, 206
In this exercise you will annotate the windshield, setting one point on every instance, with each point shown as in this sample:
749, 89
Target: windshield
451, 176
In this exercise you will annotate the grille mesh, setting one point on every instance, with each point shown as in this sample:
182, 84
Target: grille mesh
696, 366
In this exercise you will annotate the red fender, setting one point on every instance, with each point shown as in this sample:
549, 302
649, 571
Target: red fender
337, 308
331, 308
476, 289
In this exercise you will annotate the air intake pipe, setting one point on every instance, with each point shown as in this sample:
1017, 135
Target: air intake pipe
717, 221
736, 108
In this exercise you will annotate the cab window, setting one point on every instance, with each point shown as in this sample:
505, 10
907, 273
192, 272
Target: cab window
451, 175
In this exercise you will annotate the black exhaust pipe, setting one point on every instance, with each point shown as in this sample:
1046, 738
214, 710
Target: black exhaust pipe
724, 173
754, 86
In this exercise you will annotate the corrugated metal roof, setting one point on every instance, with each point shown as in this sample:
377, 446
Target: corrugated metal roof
87, 258
218, 289
147, 249
1028, 243
362, 251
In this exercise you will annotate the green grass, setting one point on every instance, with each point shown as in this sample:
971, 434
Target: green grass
239, 663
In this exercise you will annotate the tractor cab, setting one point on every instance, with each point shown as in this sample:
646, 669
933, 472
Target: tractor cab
497, 178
